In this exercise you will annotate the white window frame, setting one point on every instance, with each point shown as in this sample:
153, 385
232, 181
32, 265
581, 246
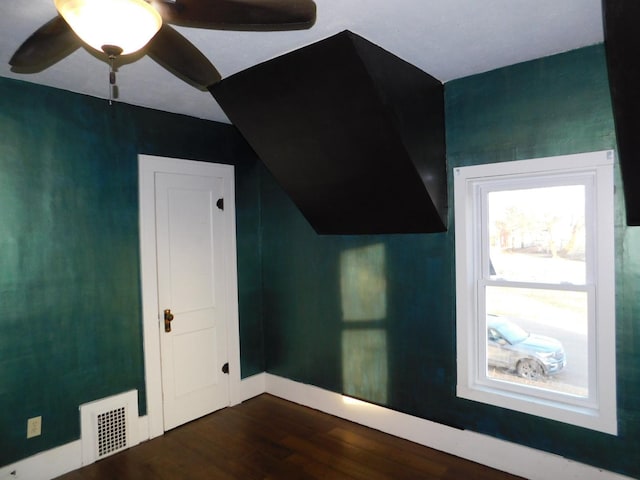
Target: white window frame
598, 411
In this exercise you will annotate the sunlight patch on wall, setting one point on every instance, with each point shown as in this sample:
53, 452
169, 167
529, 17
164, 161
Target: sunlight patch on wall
363, 284
364, 369
363, 288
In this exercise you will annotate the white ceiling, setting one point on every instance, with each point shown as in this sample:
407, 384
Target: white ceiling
448, 39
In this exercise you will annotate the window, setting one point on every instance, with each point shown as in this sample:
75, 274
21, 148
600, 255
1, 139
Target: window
535, 287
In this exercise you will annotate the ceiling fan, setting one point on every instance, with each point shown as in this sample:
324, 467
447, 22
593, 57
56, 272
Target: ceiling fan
60, 37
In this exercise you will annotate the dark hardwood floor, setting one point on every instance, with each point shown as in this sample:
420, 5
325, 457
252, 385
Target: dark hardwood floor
270, 438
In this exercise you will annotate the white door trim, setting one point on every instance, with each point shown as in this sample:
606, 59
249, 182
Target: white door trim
148, 165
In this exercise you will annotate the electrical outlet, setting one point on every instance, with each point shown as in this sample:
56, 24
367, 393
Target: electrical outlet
34, 427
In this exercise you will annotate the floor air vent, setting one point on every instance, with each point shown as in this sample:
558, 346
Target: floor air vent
109, 426
112, 431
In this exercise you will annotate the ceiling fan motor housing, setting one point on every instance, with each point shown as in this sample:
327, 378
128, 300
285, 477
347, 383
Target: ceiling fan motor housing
112, 51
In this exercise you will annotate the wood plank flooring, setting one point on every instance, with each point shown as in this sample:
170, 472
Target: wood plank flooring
269, 438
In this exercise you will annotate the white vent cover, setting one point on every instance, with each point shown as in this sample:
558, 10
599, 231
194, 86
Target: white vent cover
108, 426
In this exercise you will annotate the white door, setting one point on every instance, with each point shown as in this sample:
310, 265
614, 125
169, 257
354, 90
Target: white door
190, 249
190, 220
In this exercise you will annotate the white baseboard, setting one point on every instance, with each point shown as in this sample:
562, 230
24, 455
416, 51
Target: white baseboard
252, 386
57, 461
506, 456
143, 428
46, 465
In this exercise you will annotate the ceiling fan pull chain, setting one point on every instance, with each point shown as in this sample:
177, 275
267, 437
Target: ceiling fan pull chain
112, 52
112, 80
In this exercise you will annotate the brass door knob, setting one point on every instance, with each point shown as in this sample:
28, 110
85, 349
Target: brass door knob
168, 317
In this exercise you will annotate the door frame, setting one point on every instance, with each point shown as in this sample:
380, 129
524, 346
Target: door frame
148, 166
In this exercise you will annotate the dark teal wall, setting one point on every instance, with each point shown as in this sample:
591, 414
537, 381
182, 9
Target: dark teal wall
70, 327
371, 315
404, 355
554, 106
248, 244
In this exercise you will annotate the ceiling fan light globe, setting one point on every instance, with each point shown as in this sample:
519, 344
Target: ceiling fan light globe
128, 24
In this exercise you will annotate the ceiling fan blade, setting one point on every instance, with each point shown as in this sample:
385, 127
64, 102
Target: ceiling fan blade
46, 46
178, 55
253, 15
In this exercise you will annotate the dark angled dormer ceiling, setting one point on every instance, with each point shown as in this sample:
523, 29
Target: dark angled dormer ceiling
354, 134
623, 57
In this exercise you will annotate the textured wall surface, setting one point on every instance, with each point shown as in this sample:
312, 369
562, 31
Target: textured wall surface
374, 316
70, 328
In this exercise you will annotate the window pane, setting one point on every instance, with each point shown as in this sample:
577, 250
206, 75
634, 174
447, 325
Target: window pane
538, 234
538, 338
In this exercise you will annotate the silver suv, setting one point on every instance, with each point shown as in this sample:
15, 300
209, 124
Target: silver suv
529, 355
